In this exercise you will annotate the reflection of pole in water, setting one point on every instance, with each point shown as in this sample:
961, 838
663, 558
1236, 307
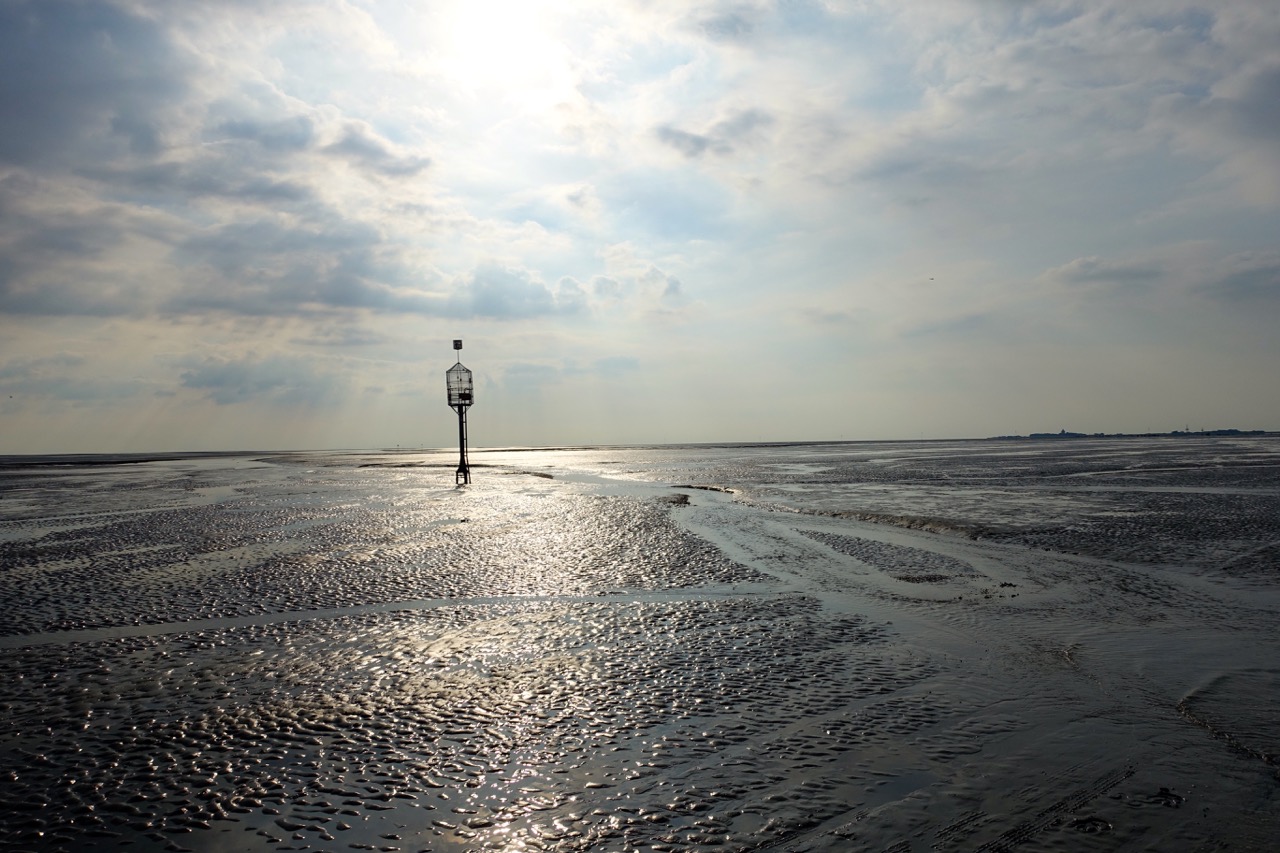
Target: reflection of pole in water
461, 395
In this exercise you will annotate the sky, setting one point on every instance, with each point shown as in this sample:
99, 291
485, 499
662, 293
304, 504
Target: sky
260, 225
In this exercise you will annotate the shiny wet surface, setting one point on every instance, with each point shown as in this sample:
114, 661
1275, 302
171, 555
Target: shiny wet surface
339, 652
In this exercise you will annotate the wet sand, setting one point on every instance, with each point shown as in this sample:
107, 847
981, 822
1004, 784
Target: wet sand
900, 647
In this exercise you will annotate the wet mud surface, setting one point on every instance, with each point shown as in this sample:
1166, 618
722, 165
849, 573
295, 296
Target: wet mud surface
895, 647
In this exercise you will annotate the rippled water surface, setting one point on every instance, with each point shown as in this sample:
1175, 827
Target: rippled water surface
902, 646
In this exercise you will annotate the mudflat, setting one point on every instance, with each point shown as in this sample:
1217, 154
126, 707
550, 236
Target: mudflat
899, 646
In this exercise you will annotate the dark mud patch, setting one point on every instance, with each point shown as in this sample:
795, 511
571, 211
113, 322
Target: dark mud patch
913, 565
929, 524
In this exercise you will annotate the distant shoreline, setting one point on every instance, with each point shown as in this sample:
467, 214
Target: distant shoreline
79, 460
1177, 433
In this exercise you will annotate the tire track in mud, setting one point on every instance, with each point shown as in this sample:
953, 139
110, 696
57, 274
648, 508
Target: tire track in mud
958, 829
1029, 829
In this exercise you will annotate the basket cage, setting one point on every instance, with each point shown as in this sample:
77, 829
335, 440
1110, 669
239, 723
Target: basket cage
461, 389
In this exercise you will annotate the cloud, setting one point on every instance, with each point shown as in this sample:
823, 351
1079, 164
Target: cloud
221, 177
342, 336
261, 127
689, 144
665, 286
1093, 269
281, 135
525, 377
65, 376
615, 366
722, 138
1232, 123
827, 317
529, 376
62, 298
1251, 278
607, 288
996, 112
1247, 103
86, 79
509, 294
274, 267
662, 206
571, 296
143, 177
362, 147
34, 243
60, 253
731, 24
25, 367
972, 325
556, 208
281, 380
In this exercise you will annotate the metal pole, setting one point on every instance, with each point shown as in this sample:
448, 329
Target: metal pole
463, 476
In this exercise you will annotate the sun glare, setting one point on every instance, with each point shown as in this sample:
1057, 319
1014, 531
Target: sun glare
506, 49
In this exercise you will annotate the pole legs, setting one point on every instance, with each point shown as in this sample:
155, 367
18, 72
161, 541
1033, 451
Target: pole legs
463, 476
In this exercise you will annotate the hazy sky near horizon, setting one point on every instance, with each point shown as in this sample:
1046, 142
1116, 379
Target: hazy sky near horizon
260, 224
